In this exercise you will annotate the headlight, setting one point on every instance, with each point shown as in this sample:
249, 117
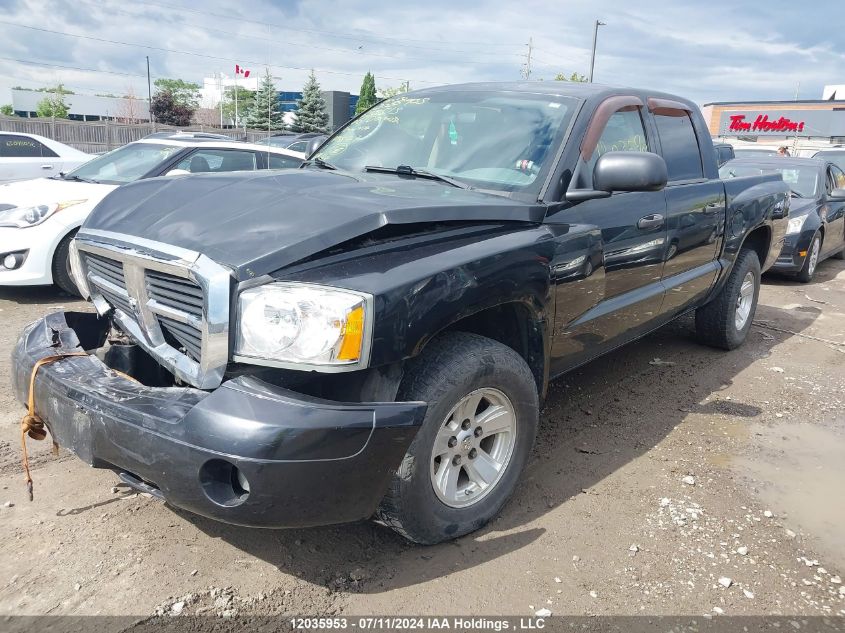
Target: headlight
304, 325
795, 224
24, 217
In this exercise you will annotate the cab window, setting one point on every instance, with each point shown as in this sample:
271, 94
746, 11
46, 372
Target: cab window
679, 144
624, 132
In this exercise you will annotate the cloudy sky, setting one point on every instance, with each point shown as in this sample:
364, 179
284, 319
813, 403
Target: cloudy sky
709, 51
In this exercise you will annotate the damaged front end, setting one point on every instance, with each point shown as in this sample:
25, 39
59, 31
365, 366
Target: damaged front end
248, 452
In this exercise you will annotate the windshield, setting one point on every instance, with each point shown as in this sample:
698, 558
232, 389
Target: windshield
125, 164
495, 141
802, 180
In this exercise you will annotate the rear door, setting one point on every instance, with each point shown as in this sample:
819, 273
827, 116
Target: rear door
23, 157
834, 210
695, 208
608, 252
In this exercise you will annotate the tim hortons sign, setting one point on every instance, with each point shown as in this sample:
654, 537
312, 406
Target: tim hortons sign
762, 123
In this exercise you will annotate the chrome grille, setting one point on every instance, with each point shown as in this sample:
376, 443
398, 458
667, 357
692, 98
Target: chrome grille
172, 302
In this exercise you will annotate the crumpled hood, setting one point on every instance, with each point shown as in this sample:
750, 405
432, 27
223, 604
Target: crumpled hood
259, 222
27, 193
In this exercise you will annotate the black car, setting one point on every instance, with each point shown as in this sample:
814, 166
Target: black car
724, 153
742, 152
835, 155
817, 214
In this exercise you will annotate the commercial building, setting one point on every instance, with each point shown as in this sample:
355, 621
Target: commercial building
84, 107
340, 105
804, 123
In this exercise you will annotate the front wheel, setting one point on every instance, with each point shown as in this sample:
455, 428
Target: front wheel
726, 320
475, 439
61, 267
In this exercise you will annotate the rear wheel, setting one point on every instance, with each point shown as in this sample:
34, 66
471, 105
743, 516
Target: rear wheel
726, 320
61, 267
473, 444
811, 261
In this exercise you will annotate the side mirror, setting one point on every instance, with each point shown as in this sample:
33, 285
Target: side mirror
314, 144
178, 172
624, 171
630, 171
838, 195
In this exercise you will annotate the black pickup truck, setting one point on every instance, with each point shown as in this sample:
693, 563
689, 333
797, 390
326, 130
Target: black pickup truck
372, 335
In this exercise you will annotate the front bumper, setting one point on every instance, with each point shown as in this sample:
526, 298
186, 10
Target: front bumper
790, 259
40, 242
307, 461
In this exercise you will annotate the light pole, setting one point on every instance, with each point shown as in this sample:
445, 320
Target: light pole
593, 54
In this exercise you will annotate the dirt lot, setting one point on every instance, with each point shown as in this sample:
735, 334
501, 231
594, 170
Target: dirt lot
603, 522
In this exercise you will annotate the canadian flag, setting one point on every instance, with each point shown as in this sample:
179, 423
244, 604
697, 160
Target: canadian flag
241, 71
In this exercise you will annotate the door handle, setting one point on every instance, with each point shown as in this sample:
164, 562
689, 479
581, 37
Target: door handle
652, 221
46, 167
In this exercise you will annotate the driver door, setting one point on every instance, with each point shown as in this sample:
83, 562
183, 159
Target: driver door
609, 256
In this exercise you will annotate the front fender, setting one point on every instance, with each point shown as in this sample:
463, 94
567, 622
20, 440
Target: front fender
421, 290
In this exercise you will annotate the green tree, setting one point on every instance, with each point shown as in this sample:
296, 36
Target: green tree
311, 114
245, 99
367, 98
573, 77
54, 105
185, 93
264, 112
7, 109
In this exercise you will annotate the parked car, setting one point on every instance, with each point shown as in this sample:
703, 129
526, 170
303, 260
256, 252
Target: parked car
27, 156
742, 152
38, 218
292, 141
835, 156
724, 153
373, 334
816, 227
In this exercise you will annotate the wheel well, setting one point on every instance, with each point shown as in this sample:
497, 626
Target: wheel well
759, 240
70, 233
511, 324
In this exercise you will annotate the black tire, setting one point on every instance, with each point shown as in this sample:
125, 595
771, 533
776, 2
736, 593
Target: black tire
715, 322
61, 267
449, 368
805, 275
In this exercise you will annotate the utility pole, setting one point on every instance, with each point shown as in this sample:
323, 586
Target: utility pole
593, 54
797, 90
149, 91
526, 70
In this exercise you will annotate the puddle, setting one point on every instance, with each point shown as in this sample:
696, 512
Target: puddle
800, 471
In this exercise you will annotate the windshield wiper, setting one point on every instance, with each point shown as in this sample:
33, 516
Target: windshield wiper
407, 170
795, 194
319, 162
78, 179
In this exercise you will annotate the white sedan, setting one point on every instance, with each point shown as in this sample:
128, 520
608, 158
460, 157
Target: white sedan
27, 156
38, 218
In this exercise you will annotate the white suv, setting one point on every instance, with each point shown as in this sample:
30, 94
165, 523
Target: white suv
38, 218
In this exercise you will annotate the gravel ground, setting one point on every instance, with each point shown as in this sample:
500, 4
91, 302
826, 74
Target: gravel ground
668, 478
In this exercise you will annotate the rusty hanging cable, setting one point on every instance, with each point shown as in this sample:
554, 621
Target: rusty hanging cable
31, 423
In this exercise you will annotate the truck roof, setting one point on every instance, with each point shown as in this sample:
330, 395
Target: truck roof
580, 90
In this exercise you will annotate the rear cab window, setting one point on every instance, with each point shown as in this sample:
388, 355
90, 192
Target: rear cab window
679, 144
